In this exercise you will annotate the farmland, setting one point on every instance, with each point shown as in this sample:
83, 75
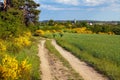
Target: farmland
100, 51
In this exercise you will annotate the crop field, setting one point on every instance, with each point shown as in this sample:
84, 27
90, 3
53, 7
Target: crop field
100, 51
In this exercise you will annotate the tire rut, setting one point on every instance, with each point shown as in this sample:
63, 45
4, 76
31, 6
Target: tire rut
52, 68
87, 72
44, 66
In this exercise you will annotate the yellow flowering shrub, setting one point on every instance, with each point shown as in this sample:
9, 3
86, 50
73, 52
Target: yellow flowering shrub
27, 34
111, 33
10, 69
25, 69
2, 46
53, 31
39, 32
83, 30
47, 32
101, 33
22, 41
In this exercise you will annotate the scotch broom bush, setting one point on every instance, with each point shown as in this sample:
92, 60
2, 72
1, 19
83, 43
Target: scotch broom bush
39, 32
22, 41
11, 69
2, 46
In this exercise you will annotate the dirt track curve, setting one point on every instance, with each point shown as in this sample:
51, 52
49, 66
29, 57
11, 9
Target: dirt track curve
87, 72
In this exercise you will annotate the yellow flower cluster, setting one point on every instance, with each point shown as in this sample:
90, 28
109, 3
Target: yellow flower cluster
22, 41
25, 69
47, 32
2, 46
27, 34
10, 69
109, 33
53, 31
83, 30
39, 32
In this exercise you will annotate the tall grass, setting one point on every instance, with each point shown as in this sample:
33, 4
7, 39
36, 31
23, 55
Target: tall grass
31, 55
100, 51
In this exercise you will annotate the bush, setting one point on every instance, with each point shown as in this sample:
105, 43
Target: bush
11, 69
83, 30
22, 41
116, 30
2, 46
39, 33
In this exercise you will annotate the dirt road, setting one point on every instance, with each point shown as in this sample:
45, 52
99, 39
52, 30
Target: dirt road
52, 68
44, 66
87, 72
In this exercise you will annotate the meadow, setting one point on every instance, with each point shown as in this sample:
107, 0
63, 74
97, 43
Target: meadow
100, 51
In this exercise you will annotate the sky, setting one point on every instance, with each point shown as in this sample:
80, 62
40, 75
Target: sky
104, 10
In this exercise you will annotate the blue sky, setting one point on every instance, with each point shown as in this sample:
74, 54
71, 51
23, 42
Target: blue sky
105, 10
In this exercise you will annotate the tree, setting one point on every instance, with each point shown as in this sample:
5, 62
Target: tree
30, 12
83, 24
116, 30
51, 22
15, 19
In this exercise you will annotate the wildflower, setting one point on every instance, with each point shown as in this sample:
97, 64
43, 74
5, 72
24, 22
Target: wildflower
2, 46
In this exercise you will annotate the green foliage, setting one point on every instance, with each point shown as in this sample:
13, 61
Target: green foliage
95, 28
51, 22
13, 21
116, 30
83, 24
100, 51
31, 54
12, 27
106, 28
100, 28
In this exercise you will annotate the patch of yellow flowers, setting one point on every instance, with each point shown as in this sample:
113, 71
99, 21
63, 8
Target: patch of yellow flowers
2, 46
27, 34
83, 30
39, 32
23, 41
10, 69
20, 42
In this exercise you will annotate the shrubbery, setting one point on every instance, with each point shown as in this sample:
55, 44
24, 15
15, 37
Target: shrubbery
83, 30
22, 41
116, 30
11, 69
2, 45
16, 26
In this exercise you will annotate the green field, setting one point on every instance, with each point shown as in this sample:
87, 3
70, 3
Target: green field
100, 51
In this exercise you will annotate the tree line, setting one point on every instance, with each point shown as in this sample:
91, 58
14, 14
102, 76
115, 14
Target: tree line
95, 26
19, 15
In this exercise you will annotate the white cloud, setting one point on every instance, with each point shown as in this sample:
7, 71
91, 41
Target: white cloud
50, 7
112, 7
100, 2
68, 2
94, 2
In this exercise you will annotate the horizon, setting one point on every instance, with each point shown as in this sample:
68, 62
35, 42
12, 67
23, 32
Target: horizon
98, 10
83, 20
